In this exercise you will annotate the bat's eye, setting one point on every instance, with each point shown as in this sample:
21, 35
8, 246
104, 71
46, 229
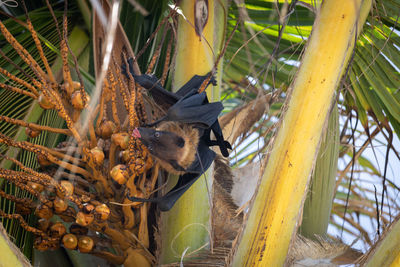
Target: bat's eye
180, 142
157, 134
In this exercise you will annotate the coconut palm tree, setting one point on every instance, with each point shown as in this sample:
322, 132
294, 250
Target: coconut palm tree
295, 78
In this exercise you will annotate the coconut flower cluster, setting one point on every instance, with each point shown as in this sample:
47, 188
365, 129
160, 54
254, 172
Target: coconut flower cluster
80, 191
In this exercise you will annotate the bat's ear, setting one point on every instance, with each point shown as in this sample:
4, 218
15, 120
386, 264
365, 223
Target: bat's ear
176, 166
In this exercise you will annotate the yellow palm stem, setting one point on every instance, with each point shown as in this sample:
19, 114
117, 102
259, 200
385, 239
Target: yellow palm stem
277, 207
185, 229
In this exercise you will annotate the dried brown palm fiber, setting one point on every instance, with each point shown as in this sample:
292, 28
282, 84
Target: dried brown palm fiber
225, 221
241, 119
223, 173
321, 252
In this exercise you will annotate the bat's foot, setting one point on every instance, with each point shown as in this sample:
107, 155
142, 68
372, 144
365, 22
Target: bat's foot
213, 81
130, 67
154, 123
223, 146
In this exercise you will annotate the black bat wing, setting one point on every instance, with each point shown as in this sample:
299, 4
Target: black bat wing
194, 84
162, 97
186, 105
194, 109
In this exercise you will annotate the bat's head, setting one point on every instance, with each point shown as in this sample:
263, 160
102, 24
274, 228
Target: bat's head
173, 149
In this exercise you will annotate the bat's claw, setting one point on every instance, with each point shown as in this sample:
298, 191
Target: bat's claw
130, 66
223, 146
152, 124
123, 70
213, 81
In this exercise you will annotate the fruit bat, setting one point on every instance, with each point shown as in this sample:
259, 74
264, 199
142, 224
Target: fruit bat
182, 138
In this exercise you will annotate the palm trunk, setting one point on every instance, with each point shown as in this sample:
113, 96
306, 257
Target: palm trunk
277, 207
186, 228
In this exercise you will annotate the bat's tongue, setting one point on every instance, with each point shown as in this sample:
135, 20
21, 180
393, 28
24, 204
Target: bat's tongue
136, 133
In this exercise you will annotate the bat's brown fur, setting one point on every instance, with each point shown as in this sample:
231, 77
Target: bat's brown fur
185, 155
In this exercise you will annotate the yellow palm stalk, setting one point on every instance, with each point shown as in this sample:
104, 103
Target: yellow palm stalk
277, 207
10, 254
386, 252
186, 229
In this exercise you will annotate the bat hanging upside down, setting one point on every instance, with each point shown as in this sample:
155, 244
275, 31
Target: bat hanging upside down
181, 140
173, 144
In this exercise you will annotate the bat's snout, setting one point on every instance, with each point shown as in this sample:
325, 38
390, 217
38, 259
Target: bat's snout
146, 136
144, 133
